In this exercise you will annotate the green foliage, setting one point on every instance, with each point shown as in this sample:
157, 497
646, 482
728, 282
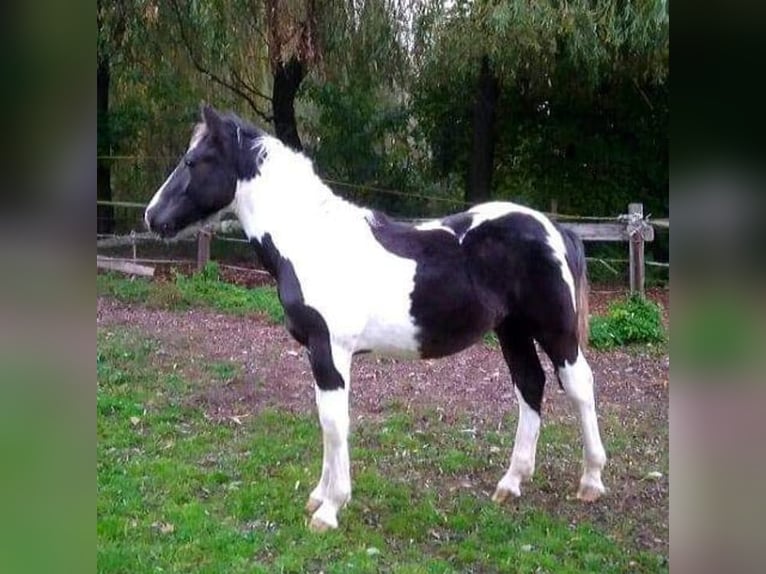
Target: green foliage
387, 101
583, 111
203, 289
490, 340
357, 125
634, 320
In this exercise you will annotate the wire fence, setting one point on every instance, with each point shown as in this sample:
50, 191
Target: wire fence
230, 249
365, 188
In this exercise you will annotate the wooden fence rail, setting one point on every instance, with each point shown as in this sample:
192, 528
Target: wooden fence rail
632, 227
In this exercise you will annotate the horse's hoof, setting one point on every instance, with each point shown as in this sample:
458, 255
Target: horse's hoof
503, 494
590, 492
313, 505
319, 525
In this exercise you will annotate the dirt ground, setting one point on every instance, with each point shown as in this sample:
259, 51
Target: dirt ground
472, 382
472, 386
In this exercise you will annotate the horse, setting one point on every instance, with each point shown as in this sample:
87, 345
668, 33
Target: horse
352, 280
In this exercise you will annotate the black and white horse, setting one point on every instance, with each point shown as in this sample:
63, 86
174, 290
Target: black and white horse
352, 280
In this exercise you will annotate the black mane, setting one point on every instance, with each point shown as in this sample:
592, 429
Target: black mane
248, 129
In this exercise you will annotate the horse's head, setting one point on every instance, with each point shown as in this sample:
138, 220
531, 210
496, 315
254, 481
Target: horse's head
205, 180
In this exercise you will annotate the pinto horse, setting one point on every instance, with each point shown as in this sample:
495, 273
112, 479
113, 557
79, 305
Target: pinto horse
351, 280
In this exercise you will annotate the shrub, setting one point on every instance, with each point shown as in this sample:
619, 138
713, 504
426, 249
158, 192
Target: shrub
633, 320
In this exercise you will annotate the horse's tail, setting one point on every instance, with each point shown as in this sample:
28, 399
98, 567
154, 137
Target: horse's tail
579, 269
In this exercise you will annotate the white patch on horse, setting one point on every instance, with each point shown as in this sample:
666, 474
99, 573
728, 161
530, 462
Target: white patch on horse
496, 209
522, 464
156, 197
199, 132
369, 309
577, 380
435, 224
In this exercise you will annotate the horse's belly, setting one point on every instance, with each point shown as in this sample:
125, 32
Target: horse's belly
390, 335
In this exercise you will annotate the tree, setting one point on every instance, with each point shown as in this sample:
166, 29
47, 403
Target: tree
234, 42
483, 142
111, 22
540, 54
356, 119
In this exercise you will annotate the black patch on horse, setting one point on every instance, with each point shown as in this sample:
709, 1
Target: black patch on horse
502, 276
249, 139
523, 362
450, 312
305, 324
459, 222
267, 254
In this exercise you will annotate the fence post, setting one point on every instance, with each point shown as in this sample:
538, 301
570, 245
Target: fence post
636, 246
203, 248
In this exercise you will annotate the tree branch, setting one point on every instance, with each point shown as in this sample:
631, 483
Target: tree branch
241, 81
254, 24
216, 78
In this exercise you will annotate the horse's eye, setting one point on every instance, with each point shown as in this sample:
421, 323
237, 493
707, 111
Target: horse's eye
189, 162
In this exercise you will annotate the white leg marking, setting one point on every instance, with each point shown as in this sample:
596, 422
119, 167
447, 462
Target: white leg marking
524, 449
334, 488
336, 475
319, 494
577, 379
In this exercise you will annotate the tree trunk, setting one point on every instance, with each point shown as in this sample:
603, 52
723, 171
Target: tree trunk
287, 79
104, 213
483, 144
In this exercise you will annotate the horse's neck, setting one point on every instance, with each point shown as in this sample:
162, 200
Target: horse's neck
296, 208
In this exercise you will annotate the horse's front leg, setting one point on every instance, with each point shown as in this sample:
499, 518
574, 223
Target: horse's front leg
331, 367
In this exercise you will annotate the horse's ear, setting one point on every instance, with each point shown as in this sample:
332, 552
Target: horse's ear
212, 119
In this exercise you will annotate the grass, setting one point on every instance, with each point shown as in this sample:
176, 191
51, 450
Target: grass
201, 290
180, 493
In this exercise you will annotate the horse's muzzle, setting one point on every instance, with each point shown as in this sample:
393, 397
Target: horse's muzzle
156, 224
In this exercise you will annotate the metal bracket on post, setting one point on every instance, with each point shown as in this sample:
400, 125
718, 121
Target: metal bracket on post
639, 230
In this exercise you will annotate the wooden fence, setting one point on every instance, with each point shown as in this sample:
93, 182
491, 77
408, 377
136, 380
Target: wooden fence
633, 228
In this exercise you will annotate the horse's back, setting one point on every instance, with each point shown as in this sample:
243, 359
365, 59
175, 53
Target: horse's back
434, 289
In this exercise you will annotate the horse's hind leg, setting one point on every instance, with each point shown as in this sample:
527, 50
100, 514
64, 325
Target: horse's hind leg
577, 380
529, 382
576, 377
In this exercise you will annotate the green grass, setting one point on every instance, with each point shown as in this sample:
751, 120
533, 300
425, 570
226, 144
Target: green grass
201, 290
180, 493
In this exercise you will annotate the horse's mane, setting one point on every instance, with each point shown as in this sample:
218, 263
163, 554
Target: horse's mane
248, 129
